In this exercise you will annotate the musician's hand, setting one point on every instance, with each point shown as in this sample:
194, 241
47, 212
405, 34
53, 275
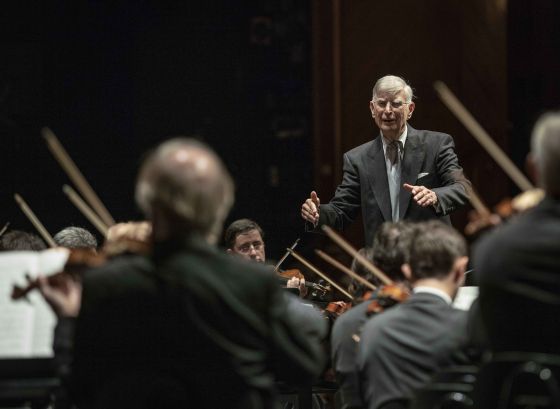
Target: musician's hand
310, 209
64, 296
298, 283
422, 195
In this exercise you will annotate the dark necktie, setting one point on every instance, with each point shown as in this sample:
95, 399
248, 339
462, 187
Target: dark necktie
394, 176
393, 152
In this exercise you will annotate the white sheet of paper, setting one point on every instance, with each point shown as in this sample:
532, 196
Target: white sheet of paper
465, 297
26, 326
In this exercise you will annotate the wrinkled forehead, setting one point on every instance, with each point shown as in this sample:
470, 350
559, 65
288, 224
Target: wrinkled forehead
391, 95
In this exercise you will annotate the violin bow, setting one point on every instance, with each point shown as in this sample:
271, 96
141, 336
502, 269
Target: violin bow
87, 211
76, 176
285, 256
34, 220
355, 254
318, 272
345, 269
464, 116
4, 229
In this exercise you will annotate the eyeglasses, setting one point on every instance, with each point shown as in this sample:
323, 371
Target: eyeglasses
246, 248
382, 104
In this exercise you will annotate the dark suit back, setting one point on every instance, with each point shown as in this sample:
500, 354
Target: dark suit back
518, 269
192, 317
403, 347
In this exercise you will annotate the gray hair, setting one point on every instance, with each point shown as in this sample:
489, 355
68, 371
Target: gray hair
393, 85
75, 238
189, 185
545, 147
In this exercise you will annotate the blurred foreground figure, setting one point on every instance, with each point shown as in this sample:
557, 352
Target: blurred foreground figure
518, 264
189, 326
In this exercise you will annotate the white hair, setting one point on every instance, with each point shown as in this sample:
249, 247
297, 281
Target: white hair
545, 147
393, 85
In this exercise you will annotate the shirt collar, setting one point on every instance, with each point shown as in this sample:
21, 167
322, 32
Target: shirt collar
435, 291
402, 138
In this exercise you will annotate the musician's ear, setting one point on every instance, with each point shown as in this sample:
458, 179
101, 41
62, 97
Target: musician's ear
229, 251
407, 271
459, 268
531, 168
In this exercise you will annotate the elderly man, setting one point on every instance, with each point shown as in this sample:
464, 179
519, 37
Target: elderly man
188, 326
404, 173
518, 264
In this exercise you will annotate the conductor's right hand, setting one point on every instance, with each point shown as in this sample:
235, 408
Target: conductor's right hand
310, 209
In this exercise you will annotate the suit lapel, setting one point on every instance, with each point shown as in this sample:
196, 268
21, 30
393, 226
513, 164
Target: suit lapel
378, 177
411, 165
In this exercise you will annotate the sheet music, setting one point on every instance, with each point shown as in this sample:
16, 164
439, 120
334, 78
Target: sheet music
465, 297
26, 326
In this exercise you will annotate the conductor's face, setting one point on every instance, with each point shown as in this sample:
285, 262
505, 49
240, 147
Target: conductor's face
391, 112
249, 245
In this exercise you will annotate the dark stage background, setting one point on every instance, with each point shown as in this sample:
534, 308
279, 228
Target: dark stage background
113, 79
278, 88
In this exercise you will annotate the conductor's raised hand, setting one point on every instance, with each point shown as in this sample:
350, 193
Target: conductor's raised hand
422, 195
310, 209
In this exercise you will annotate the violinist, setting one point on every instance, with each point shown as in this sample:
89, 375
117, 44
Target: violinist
187, 325
517, 264
389, 252
76, 238
404, 346
21, 240
245, 238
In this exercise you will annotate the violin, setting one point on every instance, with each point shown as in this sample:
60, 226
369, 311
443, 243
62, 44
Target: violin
318, 289
337, 308
505, 209
388, 296
80, 260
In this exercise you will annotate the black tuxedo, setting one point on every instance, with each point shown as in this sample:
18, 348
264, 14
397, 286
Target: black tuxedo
518, 270
428, 154
191, 325
403, 347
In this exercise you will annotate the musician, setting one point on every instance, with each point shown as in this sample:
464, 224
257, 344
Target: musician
245, 238
19, 240
75, 238
389, 252
517, 265
403, 173
188, 326
401, 348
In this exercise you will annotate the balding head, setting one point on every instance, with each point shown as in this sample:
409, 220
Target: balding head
184, 188
545, 150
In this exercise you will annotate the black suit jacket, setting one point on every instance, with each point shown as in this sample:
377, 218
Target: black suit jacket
518, 270
364, 183
191, 325
403, 347
344, 348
